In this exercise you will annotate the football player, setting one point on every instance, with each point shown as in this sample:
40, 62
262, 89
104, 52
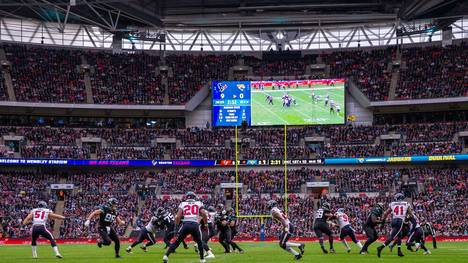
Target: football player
39, 217
288, 228
166, 221
416, 235
190, 213
399, 209
232, 221
346, 229
269, 99
373, 219
322, 215
207, 233
225, 234
107, 217
147, 233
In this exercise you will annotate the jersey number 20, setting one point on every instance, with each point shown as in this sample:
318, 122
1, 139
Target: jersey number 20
191, 210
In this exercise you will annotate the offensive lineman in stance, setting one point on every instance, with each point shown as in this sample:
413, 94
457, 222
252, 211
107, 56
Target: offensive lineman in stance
107, 216
399, 209
39, 217
287, 229
189, 213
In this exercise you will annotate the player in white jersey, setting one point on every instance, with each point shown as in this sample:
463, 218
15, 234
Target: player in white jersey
39, 217
190, 213
288, 229
208, 231
332, 106
346, 228
147, 233
399, 210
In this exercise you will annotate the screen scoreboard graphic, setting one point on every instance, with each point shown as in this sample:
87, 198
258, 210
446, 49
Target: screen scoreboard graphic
231, 103
279, 102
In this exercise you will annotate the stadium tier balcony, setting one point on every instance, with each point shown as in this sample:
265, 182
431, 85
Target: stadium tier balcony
434, 72
125, 78
367, 68
46, 75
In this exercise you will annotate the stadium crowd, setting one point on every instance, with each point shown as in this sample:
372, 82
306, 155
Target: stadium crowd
218, 143
56, 75
439, 195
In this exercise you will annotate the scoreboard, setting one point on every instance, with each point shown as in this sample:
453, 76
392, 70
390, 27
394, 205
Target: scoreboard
278, 102
231, 103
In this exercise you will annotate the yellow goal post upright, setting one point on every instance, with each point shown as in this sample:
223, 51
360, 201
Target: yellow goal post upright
285, 194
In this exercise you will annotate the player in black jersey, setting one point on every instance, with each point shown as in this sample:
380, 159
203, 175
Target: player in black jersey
166, 221
107, 216
232, 220
225, 234
373, 219
428, 230
321, 226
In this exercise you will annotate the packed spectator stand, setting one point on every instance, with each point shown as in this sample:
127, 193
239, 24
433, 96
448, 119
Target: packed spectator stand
440, 197
425, 72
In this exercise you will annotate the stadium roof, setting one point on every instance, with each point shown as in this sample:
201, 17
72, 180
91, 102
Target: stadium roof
115, 15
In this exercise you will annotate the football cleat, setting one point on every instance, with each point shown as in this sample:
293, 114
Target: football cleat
128, 250
118, 256
195, 247
332, 250
144, 248
59, 256
363, 252
324, 250
210, 255
400, 254
427, 252
165, 259
379, 251
301, 248
297, 257
348, 250
99, 244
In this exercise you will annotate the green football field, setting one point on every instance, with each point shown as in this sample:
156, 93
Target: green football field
254, 253
306, 111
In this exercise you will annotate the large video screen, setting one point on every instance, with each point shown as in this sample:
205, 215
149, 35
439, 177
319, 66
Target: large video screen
273, 102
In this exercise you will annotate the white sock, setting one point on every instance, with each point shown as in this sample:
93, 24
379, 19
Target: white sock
56, 250
34, 251
292, 244
345, 243
359, 244
292, 251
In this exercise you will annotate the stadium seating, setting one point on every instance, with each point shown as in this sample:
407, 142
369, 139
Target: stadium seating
434, 72
46, 75
426, 72
137, 143
125, 79
440, 197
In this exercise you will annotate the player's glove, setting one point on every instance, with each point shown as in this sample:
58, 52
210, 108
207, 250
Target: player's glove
87, 223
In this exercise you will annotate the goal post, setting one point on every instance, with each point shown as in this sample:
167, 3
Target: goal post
285, 190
